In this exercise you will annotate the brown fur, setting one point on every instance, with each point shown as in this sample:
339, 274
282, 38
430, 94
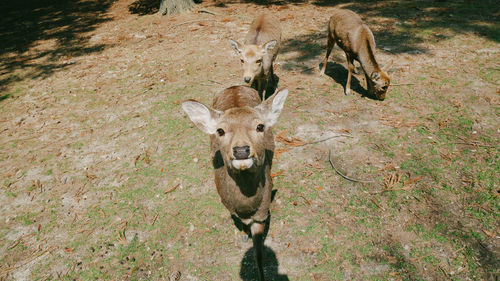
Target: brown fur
265, 28
242, 145
354, 37
248, 195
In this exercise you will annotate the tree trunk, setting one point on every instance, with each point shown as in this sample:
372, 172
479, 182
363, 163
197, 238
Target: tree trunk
170, 7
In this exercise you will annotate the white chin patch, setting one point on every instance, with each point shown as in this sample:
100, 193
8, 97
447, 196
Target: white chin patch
242, 164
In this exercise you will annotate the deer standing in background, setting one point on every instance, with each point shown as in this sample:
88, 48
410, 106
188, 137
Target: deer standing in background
242, 149
349, 32
259, 52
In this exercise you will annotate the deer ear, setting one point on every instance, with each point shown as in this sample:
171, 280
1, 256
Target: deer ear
203, 117
269, 45
271, 108
375, 76
235, 45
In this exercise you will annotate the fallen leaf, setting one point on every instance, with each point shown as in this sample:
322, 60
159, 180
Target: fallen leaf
347, 131
288, 17
278, 151
415, 179
489, 233
289, 141
277, 174
319, 188
68, 250
226, 20
39, 227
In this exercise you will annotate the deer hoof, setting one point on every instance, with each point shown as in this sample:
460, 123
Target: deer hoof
244, 238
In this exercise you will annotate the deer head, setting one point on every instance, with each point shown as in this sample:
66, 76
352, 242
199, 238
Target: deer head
378, 84
240, 132
252, 58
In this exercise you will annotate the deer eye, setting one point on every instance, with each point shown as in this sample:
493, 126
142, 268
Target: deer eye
260, 128
259, 61
220, 132
242, 61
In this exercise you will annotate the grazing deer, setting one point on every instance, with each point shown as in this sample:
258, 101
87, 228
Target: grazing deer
348, 30
242, 147
259, 52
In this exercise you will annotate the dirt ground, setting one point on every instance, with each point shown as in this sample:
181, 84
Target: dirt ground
104, 177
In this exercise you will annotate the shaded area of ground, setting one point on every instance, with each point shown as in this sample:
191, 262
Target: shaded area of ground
399, 24
144, 7
481, 17
103, 176
62, 25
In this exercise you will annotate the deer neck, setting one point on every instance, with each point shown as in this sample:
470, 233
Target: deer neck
248, 180
367, 59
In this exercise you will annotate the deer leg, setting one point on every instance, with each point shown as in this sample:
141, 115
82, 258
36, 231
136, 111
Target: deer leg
257, 230
331, 43
350, 68
260, 88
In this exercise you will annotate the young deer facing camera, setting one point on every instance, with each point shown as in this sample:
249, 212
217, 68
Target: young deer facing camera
259, 52
242, 148
348, 30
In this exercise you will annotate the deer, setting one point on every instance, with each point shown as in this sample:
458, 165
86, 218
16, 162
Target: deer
257, 55
347, 29
242, 149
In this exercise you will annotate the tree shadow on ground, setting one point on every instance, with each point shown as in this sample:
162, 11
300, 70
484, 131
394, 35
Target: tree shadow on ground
147, 7
417, 18
453, 226
399, 26
306, 48
61, 27
144, 7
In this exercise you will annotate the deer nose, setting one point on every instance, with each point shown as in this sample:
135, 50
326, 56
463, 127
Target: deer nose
247, 79
241, 152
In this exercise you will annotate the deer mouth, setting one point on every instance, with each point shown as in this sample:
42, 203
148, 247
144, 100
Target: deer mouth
242, 164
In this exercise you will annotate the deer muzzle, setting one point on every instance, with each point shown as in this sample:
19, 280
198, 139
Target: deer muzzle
241, 158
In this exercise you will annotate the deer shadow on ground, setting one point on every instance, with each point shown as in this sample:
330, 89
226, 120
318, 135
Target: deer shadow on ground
248, 268
339, 74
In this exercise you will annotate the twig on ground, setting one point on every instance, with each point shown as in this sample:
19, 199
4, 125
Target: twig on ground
307, 201
377, 204
342, 175
406, 188
474, 144
215, 82
172, 189
187, 22
25, 262
154, 219
444, 272
468, 142
322, 140
208, 12
402, 84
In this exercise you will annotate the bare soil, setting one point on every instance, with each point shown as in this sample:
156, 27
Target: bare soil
104, 177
